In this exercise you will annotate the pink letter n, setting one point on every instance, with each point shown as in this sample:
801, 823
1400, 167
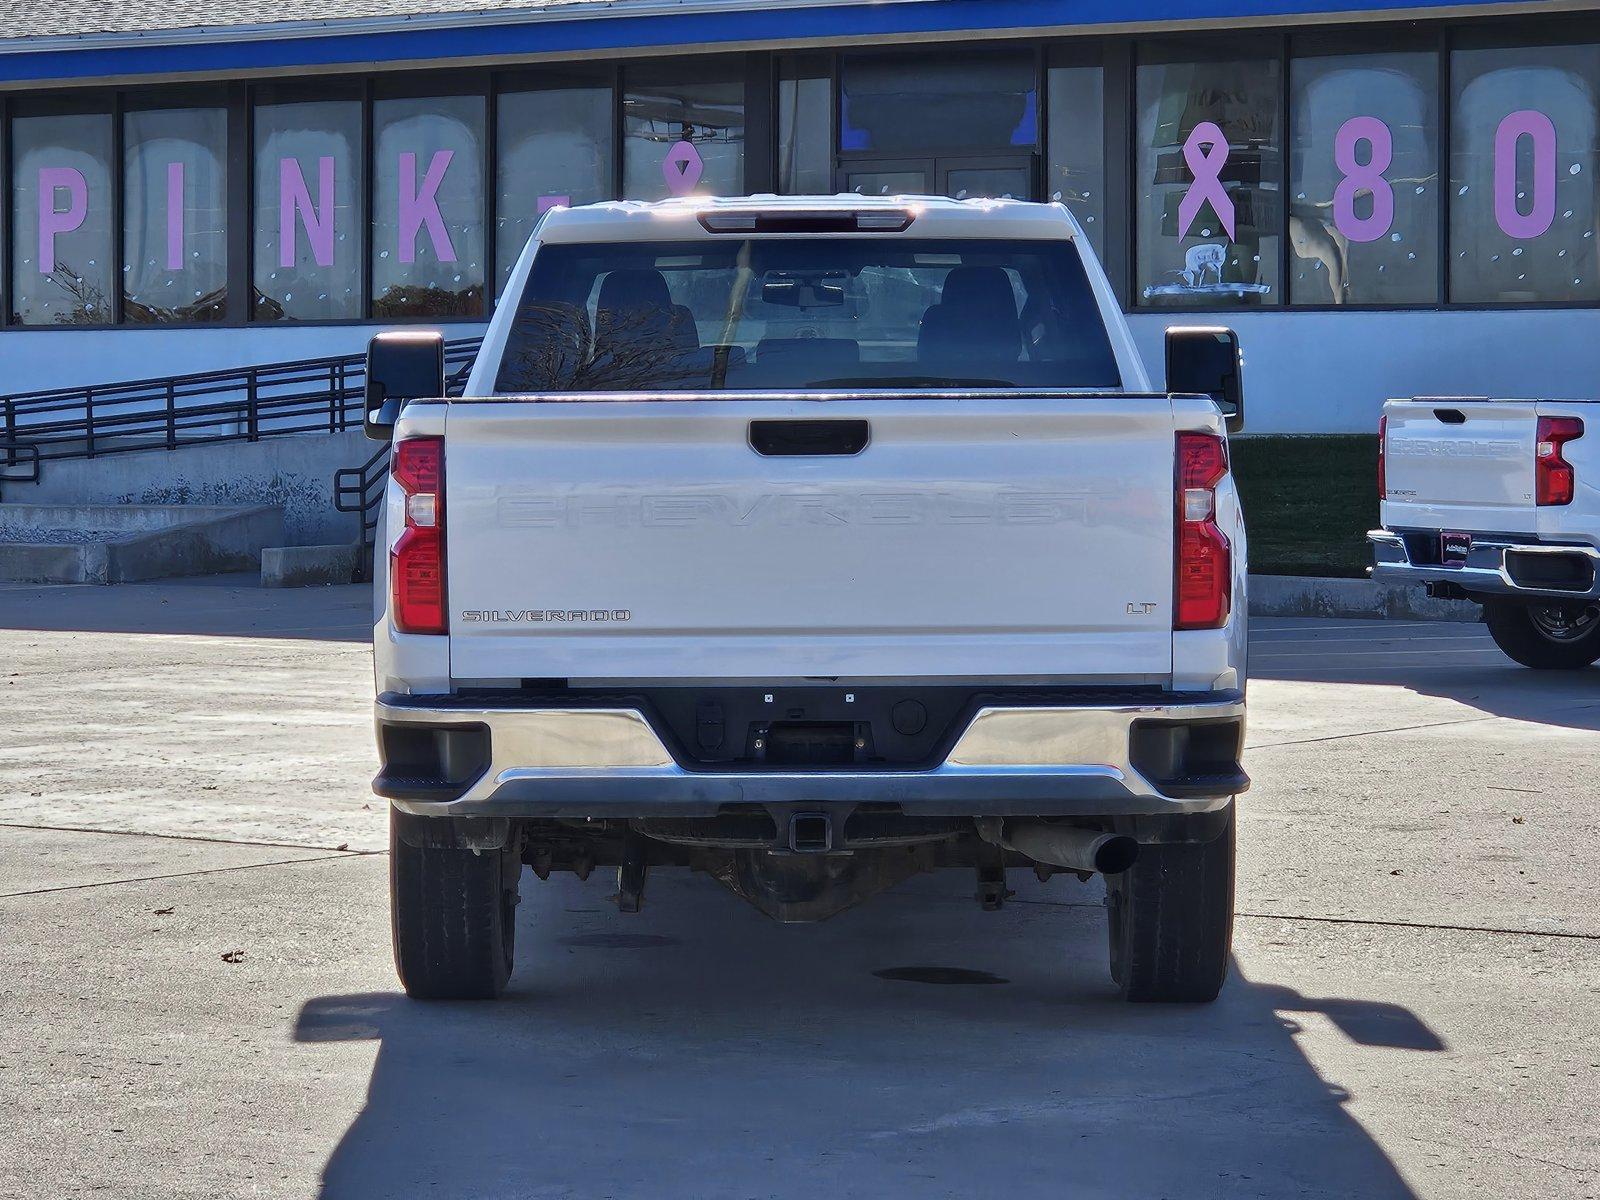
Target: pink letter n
294, 201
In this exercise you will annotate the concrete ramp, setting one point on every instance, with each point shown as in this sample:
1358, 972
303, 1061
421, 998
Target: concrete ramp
124, 543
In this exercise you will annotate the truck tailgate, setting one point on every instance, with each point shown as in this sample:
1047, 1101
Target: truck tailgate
1459, 464
648, 540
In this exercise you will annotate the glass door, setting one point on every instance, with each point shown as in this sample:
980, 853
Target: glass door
991, 177
878, 177
988, 176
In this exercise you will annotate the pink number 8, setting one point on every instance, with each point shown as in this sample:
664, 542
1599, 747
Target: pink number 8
1363, 177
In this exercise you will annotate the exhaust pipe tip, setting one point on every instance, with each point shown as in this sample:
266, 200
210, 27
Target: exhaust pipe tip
1065, 846
1115, 854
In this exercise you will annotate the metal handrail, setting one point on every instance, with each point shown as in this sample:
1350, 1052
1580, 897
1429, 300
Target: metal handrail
315, 395
359, 490
13, 471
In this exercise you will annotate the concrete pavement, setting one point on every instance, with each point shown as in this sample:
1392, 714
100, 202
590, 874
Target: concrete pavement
196, 997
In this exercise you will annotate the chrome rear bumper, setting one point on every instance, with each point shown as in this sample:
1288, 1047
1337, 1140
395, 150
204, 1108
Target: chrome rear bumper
1492, 568
445, 759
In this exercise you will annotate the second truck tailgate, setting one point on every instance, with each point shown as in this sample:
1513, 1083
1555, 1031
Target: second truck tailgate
1021, 537
1460, 464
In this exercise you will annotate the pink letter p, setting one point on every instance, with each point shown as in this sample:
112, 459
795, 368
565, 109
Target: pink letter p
53, 220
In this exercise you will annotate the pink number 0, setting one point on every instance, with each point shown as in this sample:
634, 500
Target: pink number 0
1541, 212
1363, 177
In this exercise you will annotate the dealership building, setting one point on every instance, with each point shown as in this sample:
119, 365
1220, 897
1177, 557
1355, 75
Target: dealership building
1383, 196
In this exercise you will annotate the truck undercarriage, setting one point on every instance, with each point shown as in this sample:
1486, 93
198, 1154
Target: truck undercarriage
798, 864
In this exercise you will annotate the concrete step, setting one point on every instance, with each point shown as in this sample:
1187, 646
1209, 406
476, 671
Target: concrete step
309, 566
123, 543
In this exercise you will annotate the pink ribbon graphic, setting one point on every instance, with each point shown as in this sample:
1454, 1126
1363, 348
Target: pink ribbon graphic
683, 167
1206, 167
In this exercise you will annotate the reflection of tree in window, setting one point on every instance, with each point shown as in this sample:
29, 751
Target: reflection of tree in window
806, 313
61, 242
428, 198
86, 302
552, 350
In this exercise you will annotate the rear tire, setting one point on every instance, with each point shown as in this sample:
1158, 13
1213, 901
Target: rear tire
1171, 921
453, 914
1550, 637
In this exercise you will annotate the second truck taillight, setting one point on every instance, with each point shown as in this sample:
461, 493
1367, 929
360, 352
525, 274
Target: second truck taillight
1203, 586
1553, 475
1383, 454
416, 564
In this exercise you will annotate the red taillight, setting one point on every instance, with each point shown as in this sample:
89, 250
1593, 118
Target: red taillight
1383, 447
1203, 587
1553, 475
416, 564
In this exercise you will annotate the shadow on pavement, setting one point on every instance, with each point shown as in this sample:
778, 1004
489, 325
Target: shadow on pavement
207, 606
1450, 660
701, 1051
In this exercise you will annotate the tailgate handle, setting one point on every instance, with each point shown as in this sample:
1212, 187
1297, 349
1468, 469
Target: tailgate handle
1451, 416
808, 437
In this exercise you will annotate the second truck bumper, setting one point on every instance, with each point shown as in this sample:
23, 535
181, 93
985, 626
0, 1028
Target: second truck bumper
1492, 567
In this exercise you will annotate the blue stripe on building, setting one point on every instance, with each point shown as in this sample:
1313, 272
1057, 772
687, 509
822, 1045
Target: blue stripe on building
509, 38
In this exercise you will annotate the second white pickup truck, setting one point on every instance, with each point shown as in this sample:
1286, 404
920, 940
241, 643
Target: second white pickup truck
811, 543
1496, 501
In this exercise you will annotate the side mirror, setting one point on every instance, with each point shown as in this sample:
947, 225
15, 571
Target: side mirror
1206, 362
401, 366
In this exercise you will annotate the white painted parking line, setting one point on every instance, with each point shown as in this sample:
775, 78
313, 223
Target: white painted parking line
1257, 655
1351, 624
1327, 642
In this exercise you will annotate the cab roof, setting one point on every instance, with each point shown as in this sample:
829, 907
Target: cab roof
693, 218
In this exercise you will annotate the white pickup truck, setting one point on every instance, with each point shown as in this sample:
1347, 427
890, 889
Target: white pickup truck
1496, 501
811, 543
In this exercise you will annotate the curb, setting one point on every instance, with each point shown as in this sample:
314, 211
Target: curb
308, 566
1308, 596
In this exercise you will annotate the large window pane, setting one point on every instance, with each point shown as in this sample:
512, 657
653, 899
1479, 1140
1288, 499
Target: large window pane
683, 131
1077, 147
1523, 174
902, 104
805, 126
427, 199
61, 218
174, 215
815, 312
555, 148
1364, 207
308, 221
1209, 166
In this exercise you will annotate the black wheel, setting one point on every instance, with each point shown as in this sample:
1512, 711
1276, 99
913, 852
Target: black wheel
1171, 920
1546, 637
453, 913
